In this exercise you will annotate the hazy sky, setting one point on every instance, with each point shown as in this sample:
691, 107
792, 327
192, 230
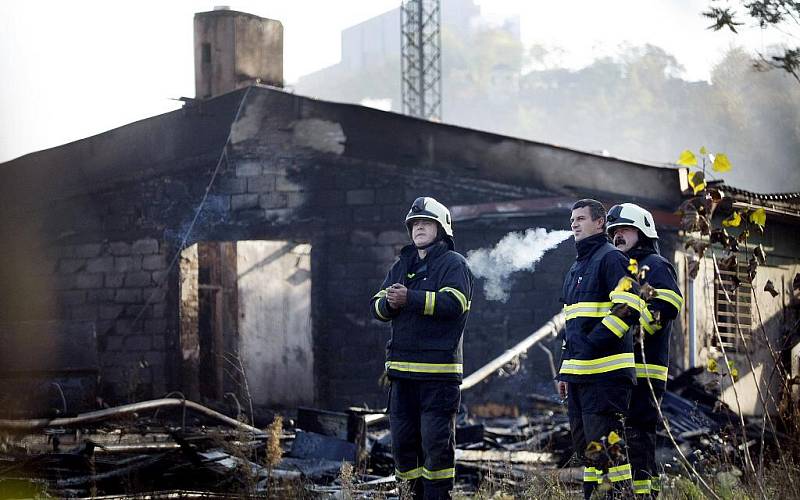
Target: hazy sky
71, 69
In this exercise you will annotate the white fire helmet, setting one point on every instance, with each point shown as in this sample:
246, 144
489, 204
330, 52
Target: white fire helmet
428, 208
629, 214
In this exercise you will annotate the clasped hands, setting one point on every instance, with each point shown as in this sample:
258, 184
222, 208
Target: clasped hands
396, 296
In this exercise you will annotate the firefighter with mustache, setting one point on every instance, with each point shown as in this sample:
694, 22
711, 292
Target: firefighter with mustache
633, 231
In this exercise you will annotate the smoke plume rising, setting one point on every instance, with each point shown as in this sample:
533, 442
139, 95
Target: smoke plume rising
515, 252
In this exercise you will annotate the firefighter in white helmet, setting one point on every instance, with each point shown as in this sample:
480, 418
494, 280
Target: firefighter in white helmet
426, 295
633, 231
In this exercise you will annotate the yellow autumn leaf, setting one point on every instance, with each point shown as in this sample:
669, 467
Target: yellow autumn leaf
733, 221
712, 365
613, 438
633, 266
703, 150
594, 447
687, 159
721, 163
625, 283
759, 217
697, 181
735, 374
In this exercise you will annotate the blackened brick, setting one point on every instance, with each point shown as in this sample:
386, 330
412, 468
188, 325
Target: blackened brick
120, 248
128, 296
138, 279
261, 184
145, 246
154, 262
114, 280
243, 201
88, 280
100, 265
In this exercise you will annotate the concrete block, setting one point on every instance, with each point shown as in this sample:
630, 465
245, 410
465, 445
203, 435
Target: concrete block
360, 197
138, 279
114, 280
154, 262
110, 311
154, 295
128, 296
243, 201
217, 203
264, 183
100, 295
153, 326
88, 280
119, 248
272, 200
248, 169
100, 265
127, 264
145, 246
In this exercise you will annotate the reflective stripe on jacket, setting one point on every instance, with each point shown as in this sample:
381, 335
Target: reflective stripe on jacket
427, 333
597, 344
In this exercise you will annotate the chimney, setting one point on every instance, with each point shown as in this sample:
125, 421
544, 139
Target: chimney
234, 50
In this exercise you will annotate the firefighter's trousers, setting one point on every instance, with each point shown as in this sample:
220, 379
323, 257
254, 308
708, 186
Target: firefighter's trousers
641, 430
595, 410
422, 415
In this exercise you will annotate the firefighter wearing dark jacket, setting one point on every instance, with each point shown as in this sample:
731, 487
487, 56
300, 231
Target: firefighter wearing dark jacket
633, 231
597, 370
426, 295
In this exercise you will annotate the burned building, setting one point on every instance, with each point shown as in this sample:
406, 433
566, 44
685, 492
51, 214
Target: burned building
232, 246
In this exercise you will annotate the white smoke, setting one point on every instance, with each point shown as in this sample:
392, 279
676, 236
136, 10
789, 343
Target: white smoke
515, 252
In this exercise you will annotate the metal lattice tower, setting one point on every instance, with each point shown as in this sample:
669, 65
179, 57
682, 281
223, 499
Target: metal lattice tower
421, 44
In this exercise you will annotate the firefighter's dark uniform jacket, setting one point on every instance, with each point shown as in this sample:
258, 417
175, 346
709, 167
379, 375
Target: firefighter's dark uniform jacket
656, 320
598, 346
427, 333
424, 363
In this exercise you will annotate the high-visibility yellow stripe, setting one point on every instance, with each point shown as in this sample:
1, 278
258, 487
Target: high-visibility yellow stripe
434, 475
377, 305
647, 314
641, 486
587, 310
379, 295
650, 370
460, 297
591, 475
412, 474
430, 303
670, 297
616, 325
628, 298
650, 328
620, 473
655, 483
599, 365
409, 366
